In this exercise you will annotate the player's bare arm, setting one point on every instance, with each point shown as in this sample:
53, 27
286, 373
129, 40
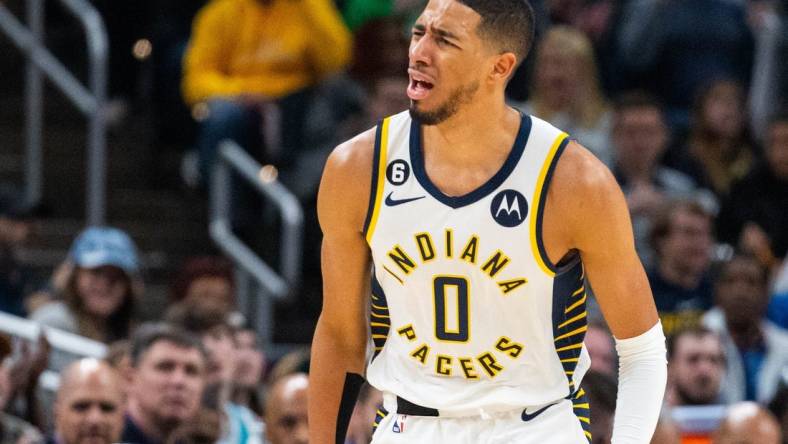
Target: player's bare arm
586, 197
586, 211
339, 345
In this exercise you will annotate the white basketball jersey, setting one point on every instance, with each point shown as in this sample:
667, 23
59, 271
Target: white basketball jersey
467, 311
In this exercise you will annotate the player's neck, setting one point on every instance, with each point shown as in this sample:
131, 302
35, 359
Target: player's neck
476, 133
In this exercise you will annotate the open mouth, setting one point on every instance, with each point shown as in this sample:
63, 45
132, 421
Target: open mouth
419, 89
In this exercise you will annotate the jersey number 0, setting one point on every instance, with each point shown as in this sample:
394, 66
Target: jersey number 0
440, 286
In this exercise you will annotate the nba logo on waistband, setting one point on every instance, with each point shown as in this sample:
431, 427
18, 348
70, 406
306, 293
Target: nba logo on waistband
399, 424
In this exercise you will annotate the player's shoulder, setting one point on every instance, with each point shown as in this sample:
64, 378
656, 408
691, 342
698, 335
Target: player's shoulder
347, 177
585, 197
580, 173
354, 155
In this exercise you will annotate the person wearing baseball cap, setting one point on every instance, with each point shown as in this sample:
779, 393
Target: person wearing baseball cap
100, 291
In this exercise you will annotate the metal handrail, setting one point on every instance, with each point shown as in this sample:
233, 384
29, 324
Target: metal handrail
250, 265
58, 340
89, 100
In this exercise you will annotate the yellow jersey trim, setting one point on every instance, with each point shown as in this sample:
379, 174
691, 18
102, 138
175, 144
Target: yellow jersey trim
381, 176
538, 196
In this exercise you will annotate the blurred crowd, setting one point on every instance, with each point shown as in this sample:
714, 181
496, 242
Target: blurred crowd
684, 101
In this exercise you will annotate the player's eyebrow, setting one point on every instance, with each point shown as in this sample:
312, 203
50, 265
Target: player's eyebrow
439, 31
444, 33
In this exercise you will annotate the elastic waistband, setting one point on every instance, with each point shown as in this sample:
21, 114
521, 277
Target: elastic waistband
405, 407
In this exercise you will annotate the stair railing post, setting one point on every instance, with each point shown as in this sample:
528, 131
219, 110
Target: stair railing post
34, 109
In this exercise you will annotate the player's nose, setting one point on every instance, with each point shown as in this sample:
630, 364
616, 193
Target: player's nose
419, 52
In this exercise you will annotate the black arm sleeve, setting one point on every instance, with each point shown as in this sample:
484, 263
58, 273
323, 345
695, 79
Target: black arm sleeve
353, 383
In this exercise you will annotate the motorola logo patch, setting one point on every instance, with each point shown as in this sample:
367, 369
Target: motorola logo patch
509, 208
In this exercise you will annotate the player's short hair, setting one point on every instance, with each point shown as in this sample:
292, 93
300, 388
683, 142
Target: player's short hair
508, 24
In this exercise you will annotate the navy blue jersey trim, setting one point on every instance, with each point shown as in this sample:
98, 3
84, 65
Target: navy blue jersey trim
373, 188
380, 414
582, 410
379, 320
540, 210
417, 161
570, 318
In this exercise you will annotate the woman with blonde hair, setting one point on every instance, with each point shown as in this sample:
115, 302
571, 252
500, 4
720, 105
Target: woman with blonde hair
566, 92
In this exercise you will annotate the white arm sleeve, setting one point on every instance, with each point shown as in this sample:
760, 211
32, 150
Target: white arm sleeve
642, 375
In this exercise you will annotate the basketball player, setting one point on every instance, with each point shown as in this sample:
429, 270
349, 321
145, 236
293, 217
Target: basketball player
460, 234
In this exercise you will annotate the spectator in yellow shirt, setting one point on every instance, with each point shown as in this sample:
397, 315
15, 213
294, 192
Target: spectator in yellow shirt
246, 52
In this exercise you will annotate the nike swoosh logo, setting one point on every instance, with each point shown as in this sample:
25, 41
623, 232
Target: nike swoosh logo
527, 417
394, 202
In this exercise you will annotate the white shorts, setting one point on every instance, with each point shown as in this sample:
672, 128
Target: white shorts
564, 422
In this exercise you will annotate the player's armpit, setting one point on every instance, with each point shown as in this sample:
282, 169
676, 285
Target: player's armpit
586, 211
340, 340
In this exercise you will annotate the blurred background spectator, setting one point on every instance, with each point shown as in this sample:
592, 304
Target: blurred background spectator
296, 361
206, 281
680, 277
245, 53
718, 150
759, 226
101, 289
12, 428
756, 350
20, 377
90, 404
640, 138
15, 229
240, 424
673, 47
250, 371
696, 367
566, 90
167, 380
286, 410
748, 423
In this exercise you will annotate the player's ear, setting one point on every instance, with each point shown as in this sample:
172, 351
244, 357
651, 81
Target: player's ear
504, 66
